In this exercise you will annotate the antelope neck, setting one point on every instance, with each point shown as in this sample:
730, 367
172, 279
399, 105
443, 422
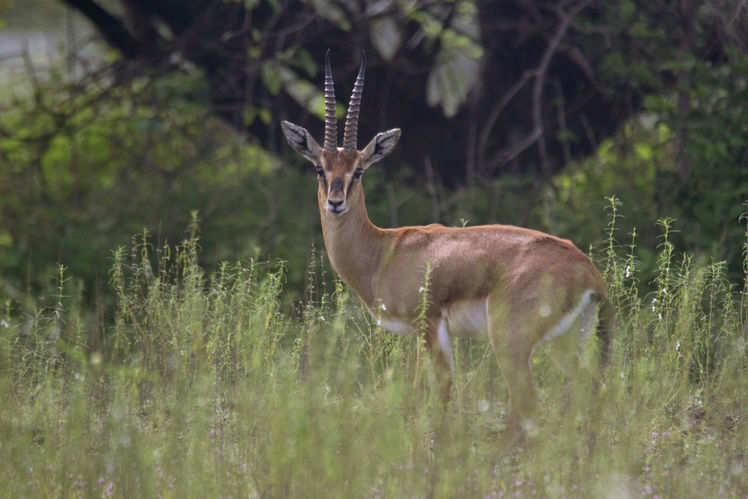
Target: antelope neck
354, 245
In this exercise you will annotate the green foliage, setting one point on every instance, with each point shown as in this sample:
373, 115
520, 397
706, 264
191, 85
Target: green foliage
641, 167
685, 156
71, 190
203, 386
714, 131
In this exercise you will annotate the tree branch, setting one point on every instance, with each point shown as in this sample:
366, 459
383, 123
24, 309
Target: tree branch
495, 113
111, 28
536, 134
537, 90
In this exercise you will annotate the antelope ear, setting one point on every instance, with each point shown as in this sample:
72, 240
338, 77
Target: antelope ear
380, 146
301, 141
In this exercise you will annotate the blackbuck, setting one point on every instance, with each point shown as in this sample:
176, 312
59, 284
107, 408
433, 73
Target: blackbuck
516, 287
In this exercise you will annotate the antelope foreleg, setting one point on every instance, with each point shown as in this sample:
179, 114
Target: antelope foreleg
436, 339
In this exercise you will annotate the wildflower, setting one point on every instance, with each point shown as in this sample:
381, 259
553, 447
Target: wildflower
421, 289
383, 306
4, 323
628, 270
677, 346
545, 310
654, 434
96, 358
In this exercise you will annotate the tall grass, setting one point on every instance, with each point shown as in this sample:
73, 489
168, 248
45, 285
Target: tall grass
204, 387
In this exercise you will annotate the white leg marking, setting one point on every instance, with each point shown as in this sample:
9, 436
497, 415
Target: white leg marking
444, 344
566, 321
587, 322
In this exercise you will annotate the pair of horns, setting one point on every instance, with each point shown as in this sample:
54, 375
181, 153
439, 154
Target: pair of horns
350, 133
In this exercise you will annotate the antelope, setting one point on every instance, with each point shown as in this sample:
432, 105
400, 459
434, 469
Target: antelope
514, 286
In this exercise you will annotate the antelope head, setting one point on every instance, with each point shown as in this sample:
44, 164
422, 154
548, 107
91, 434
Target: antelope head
339, 169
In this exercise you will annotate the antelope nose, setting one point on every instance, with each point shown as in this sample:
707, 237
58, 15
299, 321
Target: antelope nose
335, 204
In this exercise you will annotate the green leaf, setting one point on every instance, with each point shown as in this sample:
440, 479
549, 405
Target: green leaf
643, 151
271, 77
386, 37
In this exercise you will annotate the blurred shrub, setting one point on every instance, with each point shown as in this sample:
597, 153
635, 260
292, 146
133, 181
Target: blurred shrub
81, 172
685, 159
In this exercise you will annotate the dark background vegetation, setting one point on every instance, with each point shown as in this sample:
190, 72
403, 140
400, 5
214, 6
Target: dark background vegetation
527, 112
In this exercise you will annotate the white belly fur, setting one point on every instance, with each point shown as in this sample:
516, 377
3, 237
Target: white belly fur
465, 318
394, 325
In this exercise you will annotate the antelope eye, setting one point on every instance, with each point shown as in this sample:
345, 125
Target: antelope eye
320, 171
357, 174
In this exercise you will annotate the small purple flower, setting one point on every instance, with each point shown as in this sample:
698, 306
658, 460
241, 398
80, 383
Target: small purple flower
109, 490
646, 469
654, 434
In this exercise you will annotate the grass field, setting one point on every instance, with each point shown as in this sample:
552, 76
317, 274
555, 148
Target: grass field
202, 386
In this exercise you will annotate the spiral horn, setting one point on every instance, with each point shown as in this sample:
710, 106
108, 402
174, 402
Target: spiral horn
331, 122
350, 133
